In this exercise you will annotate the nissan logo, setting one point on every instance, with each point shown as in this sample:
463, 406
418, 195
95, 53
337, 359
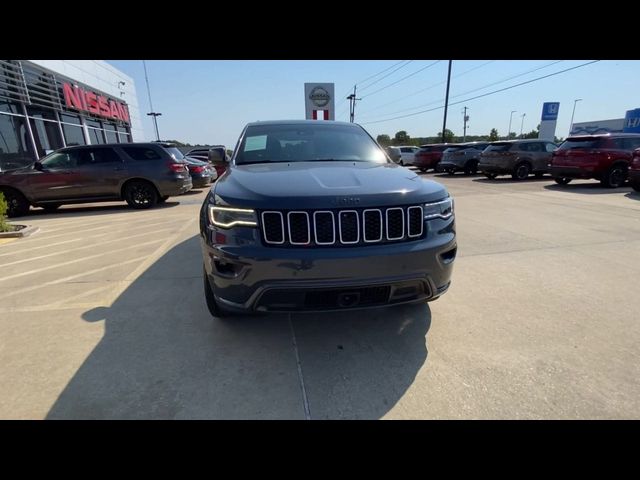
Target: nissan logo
319, 96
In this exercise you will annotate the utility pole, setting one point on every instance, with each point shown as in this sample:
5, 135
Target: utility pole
352, 104
446, 103
522, 124
466, 119
153, 114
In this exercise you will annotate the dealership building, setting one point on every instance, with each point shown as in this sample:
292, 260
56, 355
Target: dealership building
50, 104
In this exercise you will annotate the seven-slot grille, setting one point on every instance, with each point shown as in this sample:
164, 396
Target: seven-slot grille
342, 227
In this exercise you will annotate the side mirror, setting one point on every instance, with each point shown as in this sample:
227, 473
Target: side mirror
216, 157
38, 166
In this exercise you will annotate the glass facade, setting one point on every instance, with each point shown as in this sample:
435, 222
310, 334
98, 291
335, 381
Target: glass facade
34, 120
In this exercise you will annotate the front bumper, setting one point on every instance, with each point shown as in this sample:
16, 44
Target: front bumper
257, 278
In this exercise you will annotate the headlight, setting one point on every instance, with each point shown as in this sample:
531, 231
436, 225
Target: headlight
227, 217
442, 209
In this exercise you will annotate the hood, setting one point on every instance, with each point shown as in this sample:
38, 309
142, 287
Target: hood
316, 185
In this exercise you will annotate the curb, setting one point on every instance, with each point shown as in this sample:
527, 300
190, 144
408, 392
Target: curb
23, 232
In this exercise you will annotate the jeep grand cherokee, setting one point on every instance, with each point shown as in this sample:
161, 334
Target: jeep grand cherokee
314, 216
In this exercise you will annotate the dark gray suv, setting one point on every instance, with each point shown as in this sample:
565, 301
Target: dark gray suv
517, 158
313, 216
143, 174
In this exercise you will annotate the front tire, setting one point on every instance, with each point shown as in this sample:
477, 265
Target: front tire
140, 194
615, 177
210, 299
491, 176
521, 172
17, 204
471, 168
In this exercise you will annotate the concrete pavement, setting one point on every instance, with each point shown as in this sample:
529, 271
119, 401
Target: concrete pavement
102, 316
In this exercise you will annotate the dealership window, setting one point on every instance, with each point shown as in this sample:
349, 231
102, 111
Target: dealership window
96, 136
123, 135
8, 107
66, 118
73, 135
110, 132
46, 135
15, 146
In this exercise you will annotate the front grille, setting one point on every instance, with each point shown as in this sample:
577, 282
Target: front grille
342, 227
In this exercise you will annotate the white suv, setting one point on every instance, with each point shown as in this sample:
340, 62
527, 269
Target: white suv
403, 155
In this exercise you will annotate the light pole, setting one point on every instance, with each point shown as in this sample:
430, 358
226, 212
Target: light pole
522, 124
509, 129
153, 114
573, 113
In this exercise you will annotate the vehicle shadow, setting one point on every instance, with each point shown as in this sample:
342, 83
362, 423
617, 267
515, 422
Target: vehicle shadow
594, 188
508, 180
633, 195
456, 175
163, 356
79, 210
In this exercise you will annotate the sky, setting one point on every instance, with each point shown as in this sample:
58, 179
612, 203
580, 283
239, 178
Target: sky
210, 101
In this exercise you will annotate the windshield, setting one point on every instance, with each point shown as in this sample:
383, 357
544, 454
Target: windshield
175, 153
499, 147
307, 143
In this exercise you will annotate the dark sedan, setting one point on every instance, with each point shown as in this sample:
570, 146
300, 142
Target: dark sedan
202, 173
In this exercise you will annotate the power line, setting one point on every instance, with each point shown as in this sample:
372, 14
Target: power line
372, 76
428, 88
403, 78
483, 95
344, 97
476, 89
387, 75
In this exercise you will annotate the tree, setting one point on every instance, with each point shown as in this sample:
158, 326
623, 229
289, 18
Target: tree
384, 140
178, 144
531, 134
448, 136
512, 135
493, 135
402, 137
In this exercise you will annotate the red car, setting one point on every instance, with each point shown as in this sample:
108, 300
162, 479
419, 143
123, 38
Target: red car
429, 156
603, 157
634, 171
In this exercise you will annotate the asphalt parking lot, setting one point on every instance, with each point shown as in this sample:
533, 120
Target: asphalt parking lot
102, 315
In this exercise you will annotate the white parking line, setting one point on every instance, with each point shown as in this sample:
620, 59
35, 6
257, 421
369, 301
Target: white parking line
93, 245
14, 252
70, 277
77, 260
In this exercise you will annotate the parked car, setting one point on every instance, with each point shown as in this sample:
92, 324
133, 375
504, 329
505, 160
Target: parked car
463, 157
330, 225
634, 171
142, 174
406, 154
605, 157
429, 156
202, 173
203, 155
517, 158
394, 153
